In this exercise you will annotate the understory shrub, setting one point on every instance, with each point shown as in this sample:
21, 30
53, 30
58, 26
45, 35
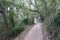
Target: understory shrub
17, 29
54, 27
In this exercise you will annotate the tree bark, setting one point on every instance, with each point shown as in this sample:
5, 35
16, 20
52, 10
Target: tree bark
5, 27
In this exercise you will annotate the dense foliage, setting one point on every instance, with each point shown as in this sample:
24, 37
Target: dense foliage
17, 15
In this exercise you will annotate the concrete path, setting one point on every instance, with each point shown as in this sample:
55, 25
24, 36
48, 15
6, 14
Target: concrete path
35, 33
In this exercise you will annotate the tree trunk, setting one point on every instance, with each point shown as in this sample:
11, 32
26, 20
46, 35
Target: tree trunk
41, 16
5, 28
45, 4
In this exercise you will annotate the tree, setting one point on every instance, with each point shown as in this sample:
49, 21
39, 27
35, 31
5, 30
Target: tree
4, 4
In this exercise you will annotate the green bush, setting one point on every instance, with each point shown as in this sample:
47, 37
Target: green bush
17, 29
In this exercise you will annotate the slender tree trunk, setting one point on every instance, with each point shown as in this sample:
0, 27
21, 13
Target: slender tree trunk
41, 16
45, 4
12, 21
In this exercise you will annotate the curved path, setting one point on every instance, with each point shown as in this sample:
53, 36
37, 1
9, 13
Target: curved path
35, 33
